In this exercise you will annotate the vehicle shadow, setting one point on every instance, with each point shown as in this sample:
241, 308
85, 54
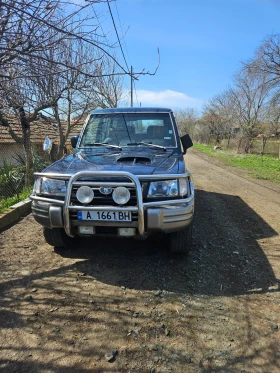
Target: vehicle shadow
226, 258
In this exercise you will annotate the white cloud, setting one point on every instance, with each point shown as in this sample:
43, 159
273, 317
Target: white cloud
168, 98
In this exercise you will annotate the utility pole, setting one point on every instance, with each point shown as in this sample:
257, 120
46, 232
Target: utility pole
131, 87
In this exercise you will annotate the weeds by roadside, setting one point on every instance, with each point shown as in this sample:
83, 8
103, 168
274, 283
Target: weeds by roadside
12, 179
266, 167
7, 203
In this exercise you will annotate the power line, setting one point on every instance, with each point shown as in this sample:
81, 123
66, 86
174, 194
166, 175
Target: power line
127, 53
122, 33
106, 38
99, 22
134, 85
117, 35
131, 75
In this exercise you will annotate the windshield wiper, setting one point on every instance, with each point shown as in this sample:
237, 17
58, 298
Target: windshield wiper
103, 144
147, 144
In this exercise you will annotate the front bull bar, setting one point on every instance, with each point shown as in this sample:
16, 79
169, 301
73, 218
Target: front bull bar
135, 182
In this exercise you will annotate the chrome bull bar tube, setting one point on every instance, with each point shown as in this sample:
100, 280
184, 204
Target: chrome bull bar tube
135, 181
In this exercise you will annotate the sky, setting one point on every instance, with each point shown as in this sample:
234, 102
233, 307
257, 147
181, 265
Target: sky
202, 44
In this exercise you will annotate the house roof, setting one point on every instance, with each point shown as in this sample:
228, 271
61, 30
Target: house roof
39, 129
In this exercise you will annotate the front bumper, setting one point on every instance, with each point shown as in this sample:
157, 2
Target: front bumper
150, 217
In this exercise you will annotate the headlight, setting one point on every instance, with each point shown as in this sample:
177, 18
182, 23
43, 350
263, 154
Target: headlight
37, 186
183, 186
167, 188
85, 194
121, 195
50, 186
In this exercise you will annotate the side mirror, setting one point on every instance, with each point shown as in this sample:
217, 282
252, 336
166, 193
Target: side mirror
47, 145
74, 141
186, 142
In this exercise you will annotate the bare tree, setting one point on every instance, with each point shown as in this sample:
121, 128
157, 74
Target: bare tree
108, 90
53, 58
36, 70
218, 115
186, 120
266, 60
68, 96
252, 103
272, 118
29, 27
270, 127
63, 95
213, 122
249, 98
265, 65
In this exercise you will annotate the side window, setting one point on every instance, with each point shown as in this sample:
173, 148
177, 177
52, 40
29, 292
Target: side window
90, 133
94, 131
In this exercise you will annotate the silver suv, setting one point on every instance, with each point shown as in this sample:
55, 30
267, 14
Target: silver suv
127, 177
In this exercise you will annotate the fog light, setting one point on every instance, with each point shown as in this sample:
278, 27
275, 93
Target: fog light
121, 195
126, 232
86, 229
85, 194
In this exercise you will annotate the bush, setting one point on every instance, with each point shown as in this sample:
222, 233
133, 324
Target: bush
11, 180
38, 162
8, 202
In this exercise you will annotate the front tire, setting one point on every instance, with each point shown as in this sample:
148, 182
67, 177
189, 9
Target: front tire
58, 238
181, 241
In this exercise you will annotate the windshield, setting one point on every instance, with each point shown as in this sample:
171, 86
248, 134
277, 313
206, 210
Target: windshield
129, 129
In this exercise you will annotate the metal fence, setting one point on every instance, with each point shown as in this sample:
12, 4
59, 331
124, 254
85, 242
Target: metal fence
13, 168
237, 144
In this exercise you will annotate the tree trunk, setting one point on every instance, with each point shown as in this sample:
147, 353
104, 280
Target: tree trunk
61, 144
229, 137
217, 140
25, 125
239, 144
248, 145
264, 139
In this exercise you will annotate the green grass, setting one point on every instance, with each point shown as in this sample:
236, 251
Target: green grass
5, 204
265, 167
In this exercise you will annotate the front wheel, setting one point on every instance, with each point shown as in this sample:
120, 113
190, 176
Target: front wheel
181, 241
58, 238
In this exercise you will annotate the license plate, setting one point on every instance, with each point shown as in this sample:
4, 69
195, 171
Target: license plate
105, 215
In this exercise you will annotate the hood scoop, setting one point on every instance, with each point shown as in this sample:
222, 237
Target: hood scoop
134, 160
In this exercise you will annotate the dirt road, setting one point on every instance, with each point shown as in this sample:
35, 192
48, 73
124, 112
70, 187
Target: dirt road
216, 311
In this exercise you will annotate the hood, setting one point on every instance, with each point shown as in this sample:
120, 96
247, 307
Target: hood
137, 162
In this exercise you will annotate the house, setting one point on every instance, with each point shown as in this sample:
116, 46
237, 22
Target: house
11, 150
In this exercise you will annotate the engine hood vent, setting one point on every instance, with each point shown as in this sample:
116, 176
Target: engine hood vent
134, 160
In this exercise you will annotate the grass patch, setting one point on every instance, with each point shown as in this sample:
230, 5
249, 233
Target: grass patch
266, 167
5, 204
